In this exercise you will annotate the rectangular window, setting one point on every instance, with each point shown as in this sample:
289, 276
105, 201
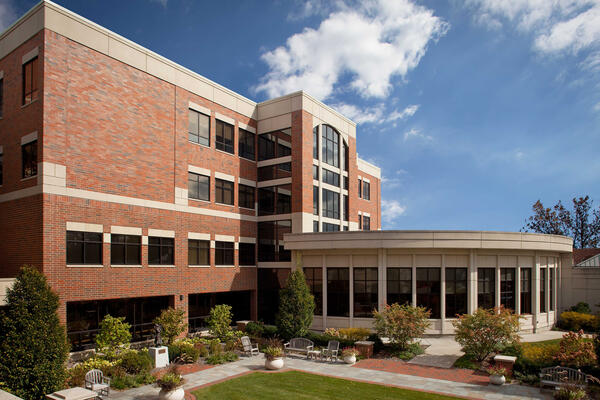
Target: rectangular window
486, 288
366, 223
331, 204
543, 290
316, 142
315, 170
314, 280
245, 196
247, 254
161, 251
331, 145
456, 292
30, 81
246, 144
428, 290
359, 189
125, 249
345, 227
366, 194
315, 226
84, 248
551, 291
365, 292
275, 144
346, 156
507, 288
346, 182
1, 97
277, 171
198, 187
223, 192
359, 222
331, 177
270, 240
346, 208
315, 200
224, 137
198, 252
198, 128
338, 292
399, 285
223, 253
330, 227
29, 159
525, 290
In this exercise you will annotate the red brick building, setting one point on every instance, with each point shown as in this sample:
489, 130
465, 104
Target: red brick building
135, 184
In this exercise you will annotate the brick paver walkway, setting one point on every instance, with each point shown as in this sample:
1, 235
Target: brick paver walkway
447, 374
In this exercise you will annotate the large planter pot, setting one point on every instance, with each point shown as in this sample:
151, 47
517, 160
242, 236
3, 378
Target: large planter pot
276, 363
497, 379
176, 394
350, 359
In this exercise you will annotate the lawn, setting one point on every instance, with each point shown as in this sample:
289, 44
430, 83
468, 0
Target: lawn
301, 385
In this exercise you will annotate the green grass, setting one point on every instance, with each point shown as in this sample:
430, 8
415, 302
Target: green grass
301, 385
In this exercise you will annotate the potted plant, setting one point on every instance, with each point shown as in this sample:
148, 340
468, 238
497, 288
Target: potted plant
349, 354
497, 375
274, 357
170, 385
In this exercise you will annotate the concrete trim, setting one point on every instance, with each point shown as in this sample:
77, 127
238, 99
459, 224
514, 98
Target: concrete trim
224, 238
198, 236
30, 55
247, 182
225, 177
30, 137
368, 168
224, 118
247, 240
85, 266
199, 108
5, 283
199, 170
274, 161
144, 240
84, 227
274, 182
161, 233
125, 230
246, 127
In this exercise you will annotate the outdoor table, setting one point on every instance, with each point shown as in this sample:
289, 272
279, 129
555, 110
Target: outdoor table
76, 393
313, 354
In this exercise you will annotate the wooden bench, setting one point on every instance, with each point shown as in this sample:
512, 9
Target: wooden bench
560, 376
299, 345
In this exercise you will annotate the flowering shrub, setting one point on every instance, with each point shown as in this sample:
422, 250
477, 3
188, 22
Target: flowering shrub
540, 354
574, 321
350, 351
402, 324
496, 371
351, 334
486, 331
575, 351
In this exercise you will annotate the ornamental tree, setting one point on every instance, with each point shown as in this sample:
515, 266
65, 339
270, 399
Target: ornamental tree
114, 334
33, 343
219, 321
296, 306
401, 324
575, 351
172, 322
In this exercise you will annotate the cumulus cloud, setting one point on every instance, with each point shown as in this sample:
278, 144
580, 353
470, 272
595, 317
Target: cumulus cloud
416, 134
367, 45
391, 210
7, 14
375, 114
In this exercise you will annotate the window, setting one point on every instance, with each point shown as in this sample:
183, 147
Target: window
125, 249
84, 248
316, 142
198, 128
525, 290
223, 253
346, 155
29, 159
359, 222
399, 285
198, 187
331, 145
456, 292
270, 240
315, 200
315, 171
346, 208
246, 144
366, 193
338, 292
330, 227
428, 290
315, 226
277, 171
1, 169
275, 200
198, 252
161, 250
365, 292
542, 290
345, 227
247, 254
224, 137
314, 280
366, 223
331, 177
223, 192
346, 182
1, 97
551, 291
245, 196
30, 81
331, 204
359, 188
507, 288
486, 288
275, 144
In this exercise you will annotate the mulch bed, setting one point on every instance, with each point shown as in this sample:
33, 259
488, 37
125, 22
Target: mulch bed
183, 369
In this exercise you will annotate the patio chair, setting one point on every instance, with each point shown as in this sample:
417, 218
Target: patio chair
249, 347
332, 350
96, 381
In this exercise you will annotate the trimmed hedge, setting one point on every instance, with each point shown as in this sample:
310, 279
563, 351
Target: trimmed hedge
135, 362
574, 321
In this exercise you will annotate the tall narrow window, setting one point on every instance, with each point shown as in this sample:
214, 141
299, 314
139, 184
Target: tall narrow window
359, 222
525, 290
84, 248
315, 171
223, 253
198, 187
247, 254
316, 142
125, 249
198, 252
30, 81
198, 128
331, 204
223, 192
366, 223
1, 97
543, 290
246, 196
365, 292
224, 137
315, 226
29, 159
507, 288
366, 194
399, 285
161, 251
338, 292
486, 288
314, 280
456, 292
315, 200
359, 188
346, 208
246, 144
331, 145
428, 290
346, 156
551, 291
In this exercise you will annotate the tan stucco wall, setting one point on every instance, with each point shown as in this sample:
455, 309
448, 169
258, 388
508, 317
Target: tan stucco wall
579, 284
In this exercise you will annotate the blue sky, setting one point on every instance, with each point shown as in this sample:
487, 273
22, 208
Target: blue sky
473, 109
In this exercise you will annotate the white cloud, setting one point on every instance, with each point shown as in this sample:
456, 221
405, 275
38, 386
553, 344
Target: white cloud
395, 180
309, 8
391, 210
375, 114
7, 14
370, 43
416, 134
406, 113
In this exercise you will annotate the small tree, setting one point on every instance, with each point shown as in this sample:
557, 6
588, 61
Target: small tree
486, 331
219, 321
402, 324
172, 323
33, 343
296, 306
114, 334
575, 351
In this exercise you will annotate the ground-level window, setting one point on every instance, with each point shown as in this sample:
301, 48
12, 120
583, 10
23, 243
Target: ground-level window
314, 280
486, 287
365, 292
161, 251
551, 291
223, 253
338, 292
507, 288
399, 285
456, 292
84, 248
198, 252
428, 290
247, 254
543, 290
525, 290
125, 249
327, 227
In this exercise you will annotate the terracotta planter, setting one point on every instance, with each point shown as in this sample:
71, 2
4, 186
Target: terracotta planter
176, 394
350, 359
497, 379
276, 363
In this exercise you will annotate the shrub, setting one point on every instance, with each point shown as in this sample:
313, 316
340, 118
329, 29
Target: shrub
135, 362
255, 329
172, 322
296, 306
352, 334
219, 321
574, 321
270, 331
575, 351
401, 323
321, 339
581, 307
125, 381
33, 343
350, 351
273, 352
221, 358
570, 393
486, 331
184, 352
410, 352
113, 335
76, 375
171, 380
